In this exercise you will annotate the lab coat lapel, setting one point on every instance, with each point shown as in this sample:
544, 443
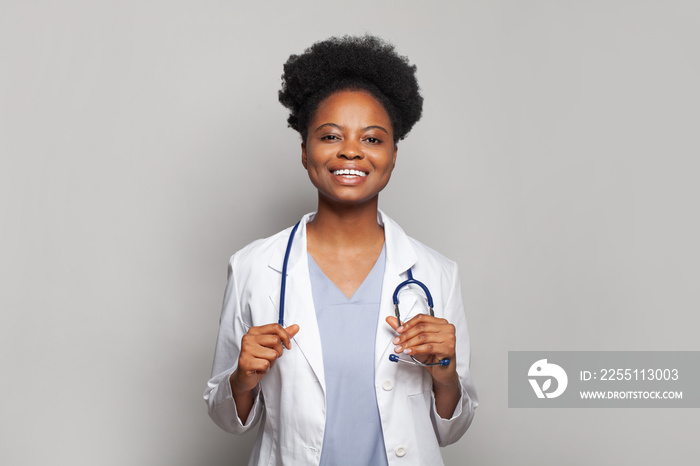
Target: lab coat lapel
400, 256
299, 303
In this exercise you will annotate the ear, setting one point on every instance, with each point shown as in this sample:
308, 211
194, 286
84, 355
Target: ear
303, 154
396, 150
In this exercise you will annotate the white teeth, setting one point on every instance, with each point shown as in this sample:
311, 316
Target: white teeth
349, 172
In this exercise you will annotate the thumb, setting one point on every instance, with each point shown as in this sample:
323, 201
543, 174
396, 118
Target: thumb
393, 321
292, 330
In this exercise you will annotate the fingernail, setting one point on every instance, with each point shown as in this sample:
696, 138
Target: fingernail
400, 329
397, 349
395, 341
408, 351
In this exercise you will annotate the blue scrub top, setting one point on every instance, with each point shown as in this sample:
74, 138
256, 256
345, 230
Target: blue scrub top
348, 327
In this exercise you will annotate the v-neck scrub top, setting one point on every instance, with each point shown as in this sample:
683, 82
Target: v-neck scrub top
348, 327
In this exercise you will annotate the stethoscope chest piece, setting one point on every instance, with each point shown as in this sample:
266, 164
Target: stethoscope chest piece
429, 298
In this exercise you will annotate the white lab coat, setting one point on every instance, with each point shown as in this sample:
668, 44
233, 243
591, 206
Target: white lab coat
291, 397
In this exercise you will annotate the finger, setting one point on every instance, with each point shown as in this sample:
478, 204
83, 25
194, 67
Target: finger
262, 352
427, 349
424, 327
284, 336
420, 319
256, 345
278, 348
276, 329
267, 341
258, 359
435, 343
250, 366
265, 329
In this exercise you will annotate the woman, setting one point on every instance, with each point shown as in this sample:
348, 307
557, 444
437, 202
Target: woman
323, 383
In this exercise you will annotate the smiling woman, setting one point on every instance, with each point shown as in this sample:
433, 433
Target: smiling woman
336, 397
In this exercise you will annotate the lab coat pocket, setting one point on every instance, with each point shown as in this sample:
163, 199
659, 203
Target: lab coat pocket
428, 447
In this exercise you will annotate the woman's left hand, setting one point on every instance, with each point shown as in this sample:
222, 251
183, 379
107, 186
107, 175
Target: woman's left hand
432, 337
427, 336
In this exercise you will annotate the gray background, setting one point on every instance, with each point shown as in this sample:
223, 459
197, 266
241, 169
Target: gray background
142, 144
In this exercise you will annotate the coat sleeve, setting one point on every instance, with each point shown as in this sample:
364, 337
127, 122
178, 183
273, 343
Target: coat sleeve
218, 396
450, 430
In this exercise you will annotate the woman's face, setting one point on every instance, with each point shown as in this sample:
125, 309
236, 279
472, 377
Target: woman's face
349, 150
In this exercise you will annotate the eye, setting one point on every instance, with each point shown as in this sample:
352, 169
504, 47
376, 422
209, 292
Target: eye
373, 140
329, 137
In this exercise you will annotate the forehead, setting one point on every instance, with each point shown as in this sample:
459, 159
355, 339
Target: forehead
352, 106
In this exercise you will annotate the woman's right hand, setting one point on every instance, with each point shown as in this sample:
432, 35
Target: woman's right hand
260, 348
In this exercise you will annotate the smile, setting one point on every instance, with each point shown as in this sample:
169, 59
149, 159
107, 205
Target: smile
350, 172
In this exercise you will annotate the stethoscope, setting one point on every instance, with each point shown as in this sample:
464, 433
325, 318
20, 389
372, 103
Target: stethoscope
402, 285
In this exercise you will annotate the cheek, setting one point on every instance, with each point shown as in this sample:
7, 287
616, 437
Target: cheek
388, 161
317, 160
314, 167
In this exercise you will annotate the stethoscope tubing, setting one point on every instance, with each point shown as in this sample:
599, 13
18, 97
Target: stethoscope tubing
283, 286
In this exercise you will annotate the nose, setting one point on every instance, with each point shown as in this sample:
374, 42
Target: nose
351, 150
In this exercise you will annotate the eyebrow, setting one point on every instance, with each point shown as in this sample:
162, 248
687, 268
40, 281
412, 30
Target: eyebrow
334, 125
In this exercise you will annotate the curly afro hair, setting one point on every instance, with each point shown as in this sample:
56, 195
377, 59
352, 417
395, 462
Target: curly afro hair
358, 63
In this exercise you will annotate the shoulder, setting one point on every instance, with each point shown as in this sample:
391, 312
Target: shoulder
427, 253
424, 256
258, 253
429, 257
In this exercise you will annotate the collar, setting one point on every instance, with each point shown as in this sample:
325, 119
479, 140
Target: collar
400, 253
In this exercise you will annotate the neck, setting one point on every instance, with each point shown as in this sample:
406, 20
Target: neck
352, 227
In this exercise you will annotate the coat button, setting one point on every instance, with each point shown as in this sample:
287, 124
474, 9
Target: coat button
400, 451
388, 385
